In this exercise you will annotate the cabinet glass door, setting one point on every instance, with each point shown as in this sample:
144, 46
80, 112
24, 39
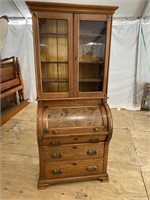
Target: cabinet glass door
91, 54
54, 55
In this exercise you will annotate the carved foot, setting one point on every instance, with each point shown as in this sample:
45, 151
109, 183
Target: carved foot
104, 179
42, 186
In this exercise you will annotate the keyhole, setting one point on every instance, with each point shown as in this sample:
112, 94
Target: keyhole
74, 147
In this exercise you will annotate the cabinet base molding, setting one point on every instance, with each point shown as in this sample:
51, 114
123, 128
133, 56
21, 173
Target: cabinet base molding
43, 184
104, 178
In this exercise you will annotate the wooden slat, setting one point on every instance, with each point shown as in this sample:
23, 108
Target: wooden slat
9, 84
15, 89
7, 72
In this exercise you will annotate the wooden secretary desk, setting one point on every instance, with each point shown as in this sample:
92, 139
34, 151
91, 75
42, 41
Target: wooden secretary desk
74, 123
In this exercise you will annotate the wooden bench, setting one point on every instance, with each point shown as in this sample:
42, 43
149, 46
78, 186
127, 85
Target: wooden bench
145, 104
12, 89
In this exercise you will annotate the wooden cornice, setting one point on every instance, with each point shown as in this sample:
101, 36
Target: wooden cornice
70, 8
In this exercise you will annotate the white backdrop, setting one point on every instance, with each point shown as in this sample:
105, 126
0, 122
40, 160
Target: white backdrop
125, 52
143, 72
19, 43
127, 56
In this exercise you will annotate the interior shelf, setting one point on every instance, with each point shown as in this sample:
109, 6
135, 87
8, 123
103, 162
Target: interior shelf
91, 62
54, 62
45, 80
91, 34
53, 35
90, 80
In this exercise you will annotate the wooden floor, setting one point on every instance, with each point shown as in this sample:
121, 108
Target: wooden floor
128, 166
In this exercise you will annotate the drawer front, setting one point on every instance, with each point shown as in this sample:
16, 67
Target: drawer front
73, 152
73, 169
72, 139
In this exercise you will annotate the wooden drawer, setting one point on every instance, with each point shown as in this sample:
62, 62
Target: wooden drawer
73, 169
73, 152
74, 139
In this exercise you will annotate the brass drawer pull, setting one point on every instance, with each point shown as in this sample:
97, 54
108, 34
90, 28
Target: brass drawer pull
94, 140
91, 152
55, 142
57, 155
57, 171
91, 168
96, 129
55, 132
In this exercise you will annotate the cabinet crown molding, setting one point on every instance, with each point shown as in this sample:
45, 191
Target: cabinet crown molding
73, 8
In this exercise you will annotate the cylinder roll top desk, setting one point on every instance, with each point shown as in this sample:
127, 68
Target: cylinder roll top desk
74, 122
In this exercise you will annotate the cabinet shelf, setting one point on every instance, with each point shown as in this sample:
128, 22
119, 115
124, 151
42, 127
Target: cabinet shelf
91, 35
53, 35
90, 80
91, 62
54, 62
45, 80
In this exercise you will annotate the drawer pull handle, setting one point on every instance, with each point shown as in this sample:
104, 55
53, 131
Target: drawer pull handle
94, 140
55, 142
57, 171
96, 129
91, 152
55, 132
57, 155
91, 168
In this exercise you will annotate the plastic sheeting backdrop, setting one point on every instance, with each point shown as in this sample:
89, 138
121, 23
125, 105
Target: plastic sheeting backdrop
129, 60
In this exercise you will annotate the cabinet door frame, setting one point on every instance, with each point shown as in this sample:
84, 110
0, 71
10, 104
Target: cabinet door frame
92, 17
58, 16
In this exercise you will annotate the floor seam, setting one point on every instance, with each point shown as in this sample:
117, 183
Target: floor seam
145, 185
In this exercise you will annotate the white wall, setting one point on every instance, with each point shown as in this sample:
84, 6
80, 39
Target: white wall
123, 60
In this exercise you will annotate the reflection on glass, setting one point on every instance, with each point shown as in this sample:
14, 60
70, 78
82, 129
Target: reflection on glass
91, 55
53, 36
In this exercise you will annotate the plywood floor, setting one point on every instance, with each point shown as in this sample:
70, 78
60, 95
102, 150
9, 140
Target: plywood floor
128, 166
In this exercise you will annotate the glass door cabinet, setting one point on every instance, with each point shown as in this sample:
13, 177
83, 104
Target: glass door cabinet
74, 122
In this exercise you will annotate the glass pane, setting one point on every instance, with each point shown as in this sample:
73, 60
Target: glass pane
54, 77
91, 55
53, 36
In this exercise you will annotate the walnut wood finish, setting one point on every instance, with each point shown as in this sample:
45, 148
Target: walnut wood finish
74, 122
